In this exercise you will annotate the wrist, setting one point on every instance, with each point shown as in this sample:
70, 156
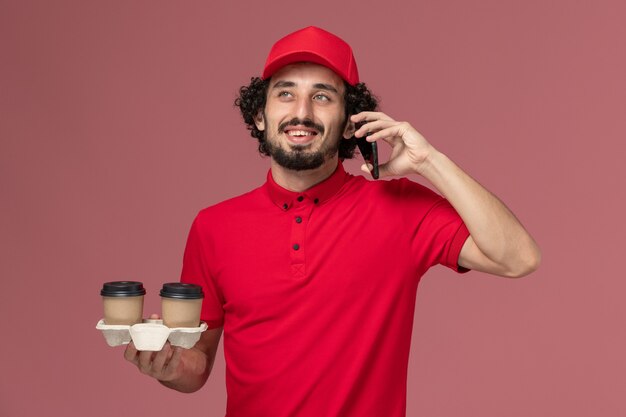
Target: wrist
430, 164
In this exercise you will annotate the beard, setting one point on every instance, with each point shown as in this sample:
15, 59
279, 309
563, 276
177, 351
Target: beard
299, 157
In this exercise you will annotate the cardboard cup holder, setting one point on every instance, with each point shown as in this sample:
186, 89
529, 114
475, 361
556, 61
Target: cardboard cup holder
151, 334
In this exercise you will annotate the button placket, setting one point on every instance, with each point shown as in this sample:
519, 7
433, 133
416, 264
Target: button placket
300, 214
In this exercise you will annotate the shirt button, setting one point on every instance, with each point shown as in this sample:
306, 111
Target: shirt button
300, 198
285, 206
317, 200
298, 219
296, 247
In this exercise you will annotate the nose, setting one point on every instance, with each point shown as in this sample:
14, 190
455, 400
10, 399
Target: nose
304, 108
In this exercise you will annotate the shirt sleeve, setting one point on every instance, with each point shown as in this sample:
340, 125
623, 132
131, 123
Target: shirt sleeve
436, 231
195, 271
445, 232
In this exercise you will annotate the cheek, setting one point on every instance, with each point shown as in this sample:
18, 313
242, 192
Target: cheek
274, 117
337, 124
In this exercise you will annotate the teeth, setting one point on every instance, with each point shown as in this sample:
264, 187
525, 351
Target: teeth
299, 133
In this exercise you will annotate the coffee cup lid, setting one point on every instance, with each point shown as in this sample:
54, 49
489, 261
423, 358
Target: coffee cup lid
122, 289
182, 291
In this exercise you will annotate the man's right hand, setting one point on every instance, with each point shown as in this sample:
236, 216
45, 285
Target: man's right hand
184, 370
164, 365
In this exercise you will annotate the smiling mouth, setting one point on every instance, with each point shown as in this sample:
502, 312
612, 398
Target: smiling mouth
299, 135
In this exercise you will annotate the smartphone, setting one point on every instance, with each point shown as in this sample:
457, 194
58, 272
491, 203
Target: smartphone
369, 150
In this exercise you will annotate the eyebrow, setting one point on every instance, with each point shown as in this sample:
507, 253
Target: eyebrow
317, 86
283, 84
321, 86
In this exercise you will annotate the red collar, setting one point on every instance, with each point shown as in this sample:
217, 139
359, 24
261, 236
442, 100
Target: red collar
318, 194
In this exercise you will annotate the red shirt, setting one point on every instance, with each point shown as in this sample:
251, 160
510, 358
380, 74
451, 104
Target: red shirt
316, 291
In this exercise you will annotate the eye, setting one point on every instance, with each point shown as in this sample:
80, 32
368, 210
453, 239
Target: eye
284, 94
321, 97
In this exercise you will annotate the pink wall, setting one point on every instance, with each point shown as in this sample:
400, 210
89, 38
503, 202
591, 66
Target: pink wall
117, 126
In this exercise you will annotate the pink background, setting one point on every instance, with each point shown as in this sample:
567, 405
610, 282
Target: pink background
117, 126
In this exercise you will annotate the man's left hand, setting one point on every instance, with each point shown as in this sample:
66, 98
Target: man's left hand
410, 150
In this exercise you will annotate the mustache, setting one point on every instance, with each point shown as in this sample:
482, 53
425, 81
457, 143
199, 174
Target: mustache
306, 123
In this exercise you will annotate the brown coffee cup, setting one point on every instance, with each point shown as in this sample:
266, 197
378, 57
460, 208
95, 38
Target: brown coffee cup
122, 302
181, 304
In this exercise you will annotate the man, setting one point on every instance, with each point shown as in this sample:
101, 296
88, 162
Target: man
312, 277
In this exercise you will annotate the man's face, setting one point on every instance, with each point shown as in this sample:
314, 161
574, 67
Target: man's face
304, 117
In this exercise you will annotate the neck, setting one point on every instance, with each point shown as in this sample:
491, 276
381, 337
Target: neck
299, 181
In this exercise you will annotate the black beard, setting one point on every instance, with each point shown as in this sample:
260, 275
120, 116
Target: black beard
298, 159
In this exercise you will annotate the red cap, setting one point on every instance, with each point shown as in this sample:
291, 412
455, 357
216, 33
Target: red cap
315, 45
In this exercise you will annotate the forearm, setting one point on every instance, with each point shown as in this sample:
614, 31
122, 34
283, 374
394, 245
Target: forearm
498, 244
493, 227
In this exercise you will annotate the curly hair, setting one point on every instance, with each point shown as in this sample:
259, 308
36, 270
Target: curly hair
252, 99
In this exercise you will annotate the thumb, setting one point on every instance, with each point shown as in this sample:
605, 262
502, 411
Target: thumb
383, 170
367, 168
154, 316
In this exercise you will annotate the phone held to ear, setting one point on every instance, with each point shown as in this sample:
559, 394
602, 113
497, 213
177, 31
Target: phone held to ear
369, 150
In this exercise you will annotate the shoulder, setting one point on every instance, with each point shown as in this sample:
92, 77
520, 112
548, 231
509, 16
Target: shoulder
249, 202
390, 199
394, 190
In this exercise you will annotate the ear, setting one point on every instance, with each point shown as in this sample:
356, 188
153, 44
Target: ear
349, 130
259, 121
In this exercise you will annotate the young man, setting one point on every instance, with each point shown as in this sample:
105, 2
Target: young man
313, 276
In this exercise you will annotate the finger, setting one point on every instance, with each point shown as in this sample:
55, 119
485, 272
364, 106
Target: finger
371, 127
367, 168
130, 354
384, 171
174, 361
169, 369
368, 116
160, 359
391, 135
145, 361
154, 316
